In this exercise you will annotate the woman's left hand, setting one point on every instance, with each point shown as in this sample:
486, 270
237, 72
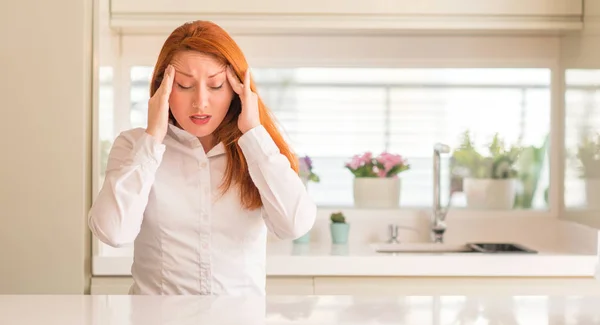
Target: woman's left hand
249, 117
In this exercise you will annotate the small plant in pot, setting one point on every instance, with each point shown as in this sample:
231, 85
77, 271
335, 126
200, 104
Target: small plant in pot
489, 179
339, 228
588, 156
376, 182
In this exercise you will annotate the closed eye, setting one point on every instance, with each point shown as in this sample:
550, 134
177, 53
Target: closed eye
217, 87
183, 87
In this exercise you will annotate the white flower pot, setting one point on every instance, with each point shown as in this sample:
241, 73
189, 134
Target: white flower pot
371, 192
490, 193
592, 193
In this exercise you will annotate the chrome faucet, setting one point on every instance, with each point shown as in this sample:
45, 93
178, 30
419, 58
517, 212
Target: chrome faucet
438, 224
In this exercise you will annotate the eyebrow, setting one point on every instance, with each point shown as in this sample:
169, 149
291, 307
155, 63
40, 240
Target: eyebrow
191, 76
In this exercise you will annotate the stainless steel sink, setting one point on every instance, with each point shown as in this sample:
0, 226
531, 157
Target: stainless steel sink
422, 248
501, 248
485, 248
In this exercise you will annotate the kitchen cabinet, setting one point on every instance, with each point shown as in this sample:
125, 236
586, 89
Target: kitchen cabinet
290, 285
275, 285
363, 285
351, 15
452, 285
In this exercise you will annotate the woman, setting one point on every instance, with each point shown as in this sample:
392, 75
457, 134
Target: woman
197, 190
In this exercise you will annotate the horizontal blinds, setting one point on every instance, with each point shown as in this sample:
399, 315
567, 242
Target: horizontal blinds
332, 114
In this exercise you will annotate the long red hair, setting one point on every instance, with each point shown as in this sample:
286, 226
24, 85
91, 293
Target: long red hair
211, 39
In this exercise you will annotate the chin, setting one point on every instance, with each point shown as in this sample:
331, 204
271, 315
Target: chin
199, 131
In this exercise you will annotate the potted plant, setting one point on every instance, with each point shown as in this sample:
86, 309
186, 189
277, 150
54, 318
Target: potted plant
489, 179
530, 164
588, 154
306, 173
376, 182
339, 228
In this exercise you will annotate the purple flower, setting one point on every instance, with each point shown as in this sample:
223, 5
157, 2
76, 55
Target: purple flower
308, 162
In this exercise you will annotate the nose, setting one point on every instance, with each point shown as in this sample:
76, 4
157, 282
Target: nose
201, 97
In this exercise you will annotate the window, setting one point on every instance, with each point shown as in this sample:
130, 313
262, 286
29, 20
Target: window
105, 115
582, 122
332, 114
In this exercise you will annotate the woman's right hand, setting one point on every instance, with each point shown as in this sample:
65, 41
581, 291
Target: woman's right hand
158, 107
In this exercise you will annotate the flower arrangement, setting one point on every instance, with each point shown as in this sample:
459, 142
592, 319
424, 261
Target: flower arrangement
306, 169
385, 165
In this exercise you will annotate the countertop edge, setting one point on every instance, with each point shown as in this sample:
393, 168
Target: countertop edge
409, 265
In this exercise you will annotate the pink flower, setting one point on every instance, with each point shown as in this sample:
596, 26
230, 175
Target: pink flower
385, 165
389, 160
366, 157
356, 162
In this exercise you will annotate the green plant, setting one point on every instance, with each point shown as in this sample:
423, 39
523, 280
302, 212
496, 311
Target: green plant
529, 164
338, 217
497, 163
588, 154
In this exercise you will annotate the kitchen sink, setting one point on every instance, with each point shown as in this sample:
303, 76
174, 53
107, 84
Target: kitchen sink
500, 248
422, 248
485, 248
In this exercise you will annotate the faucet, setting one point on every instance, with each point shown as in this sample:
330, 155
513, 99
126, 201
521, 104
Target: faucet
438, 225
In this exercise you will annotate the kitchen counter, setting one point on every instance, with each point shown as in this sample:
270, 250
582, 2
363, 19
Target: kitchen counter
288, 259
421, 310
565, 249
359, 259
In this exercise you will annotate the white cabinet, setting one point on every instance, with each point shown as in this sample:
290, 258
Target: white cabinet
350, 15
453, 286
110, 285
275, 285
402, 286
290, 286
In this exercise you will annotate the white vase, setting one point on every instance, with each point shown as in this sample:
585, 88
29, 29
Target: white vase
382, 193
592, 193
490, 193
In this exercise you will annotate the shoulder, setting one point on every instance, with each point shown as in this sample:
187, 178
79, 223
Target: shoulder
132, 135
136, 138
135, 133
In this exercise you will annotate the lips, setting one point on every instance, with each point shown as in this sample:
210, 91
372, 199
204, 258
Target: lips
200, 119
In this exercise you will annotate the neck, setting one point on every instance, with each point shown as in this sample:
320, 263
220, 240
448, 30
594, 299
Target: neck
208, 142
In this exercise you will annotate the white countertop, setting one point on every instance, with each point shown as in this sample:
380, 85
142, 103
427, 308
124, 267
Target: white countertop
326, 259
565, 249
180, 310
287, 259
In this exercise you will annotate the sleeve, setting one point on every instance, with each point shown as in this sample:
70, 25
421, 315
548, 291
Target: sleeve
116, 215
289, 210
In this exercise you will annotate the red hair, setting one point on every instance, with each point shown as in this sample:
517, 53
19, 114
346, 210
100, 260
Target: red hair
208, 38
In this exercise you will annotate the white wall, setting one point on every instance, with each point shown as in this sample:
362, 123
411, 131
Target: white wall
45, 136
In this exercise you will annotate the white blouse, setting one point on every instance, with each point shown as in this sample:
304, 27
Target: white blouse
164, 197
